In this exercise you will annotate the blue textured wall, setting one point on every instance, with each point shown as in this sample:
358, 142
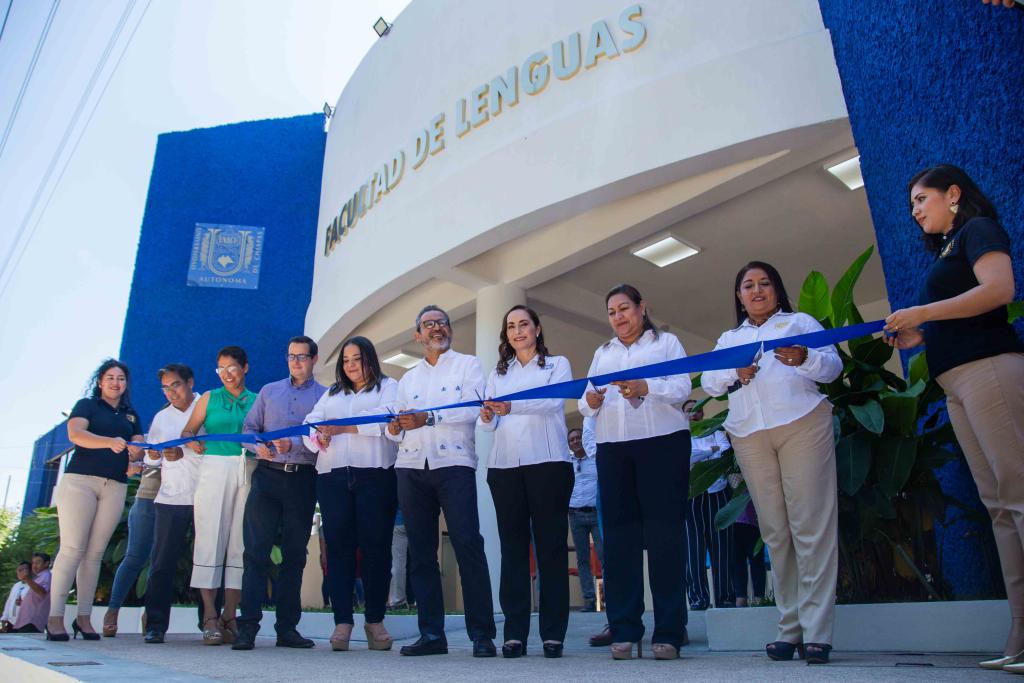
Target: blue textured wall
260, 173
928, 83
41, 479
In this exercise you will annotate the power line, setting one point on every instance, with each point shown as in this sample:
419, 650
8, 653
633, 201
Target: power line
28, 74
6, 14
67, 133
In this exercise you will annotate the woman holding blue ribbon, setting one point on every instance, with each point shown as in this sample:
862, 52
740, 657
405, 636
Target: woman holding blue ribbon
531, 481
976, 357
643, 466
357, 489
219, 504
780, 425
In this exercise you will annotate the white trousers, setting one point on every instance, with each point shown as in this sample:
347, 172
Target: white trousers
219, 507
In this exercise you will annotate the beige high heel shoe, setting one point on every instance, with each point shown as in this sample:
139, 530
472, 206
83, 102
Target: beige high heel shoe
1003, 662
665, 651
212, 635
339, 639
625, 650
377, 637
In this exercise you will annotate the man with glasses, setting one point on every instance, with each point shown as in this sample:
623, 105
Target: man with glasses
172, 507
436, 471
281, 500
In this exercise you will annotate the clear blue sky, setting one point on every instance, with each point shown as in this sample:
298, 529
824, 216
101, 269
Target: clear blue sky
67, 249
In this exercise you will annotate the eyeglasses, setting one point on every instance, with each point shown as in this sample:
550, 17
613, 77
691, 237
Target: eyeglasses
173, 386
431, 324
301, 357
230, 369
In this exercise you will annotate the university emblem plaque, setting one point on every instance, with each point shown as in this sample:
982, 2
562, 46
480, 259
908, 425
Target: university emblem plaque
226, 256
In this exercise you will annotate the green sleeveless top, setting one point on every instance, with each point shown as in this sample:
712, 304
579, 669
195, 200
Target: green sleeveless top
225, 415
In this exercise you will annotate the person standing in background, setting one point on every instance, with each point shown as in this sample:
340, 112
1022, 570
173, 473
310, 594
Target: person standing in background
583, 515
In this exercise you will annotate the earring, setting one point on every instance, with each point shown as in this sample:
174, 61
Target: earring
953, 208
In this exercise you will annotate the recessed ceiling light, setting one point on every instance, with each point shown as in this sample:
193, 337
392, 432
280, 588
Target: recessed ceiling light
665, 251
848, 172
403, 360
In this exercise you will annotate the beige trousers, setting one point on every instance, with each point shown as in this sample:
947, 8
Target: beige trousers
88, 510
218, 508
791, 475
985, 399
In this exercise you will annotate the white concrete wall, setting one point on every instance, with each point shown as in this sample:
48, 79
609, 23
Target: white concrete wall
709, 76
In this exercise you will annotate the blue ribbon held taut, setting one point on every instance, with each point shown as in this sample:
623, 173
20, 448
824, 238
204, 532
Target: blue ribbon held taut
722, 359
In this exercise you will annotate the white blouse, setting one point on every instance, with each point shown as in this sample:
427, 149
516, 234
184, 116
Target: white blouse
367, 448
534, 431
616, 419
778, 394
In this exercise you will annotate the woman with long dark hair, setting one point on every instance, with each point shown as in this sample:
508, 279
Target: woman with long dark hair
780, 426
90, 497
357, 489
531, 481
976, 357
643, 473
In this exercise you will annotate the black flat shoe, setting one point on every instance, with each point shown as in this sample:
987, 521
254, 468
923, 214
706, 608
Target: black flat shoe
424, 646
817, 653
85, 636
552, 650
513, 650
602, 639
291, 638
245, 639
59, 637
154, 637
484, 647
781, 651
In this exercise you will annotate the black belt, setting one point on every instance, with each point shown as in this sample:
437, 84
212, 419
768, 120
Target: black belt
589, 508
284, 466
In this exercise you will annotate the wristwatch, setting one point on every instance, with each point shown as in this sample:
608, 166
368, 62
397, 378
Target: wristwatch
431, 420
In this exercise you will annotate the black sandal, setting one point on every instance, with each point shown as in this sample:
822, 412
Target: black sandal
817, 653
781, 651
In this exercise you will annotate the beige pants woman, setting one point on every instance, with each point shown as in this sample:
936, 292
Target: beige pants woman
791, 475
88, 510
985, 399
219, 509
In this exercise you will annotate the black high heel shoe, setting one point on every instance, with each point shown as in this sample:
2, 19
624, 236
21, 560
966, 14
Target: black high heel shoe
552, 650
817, 653
781, 651
85, 636
59, 637
513, 650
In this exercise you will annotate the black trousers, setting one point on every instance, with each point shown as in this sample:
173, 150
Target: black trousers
170, 527
423, 495
357, 505
533, 498
702, 539
643, 485
744, 540
279, 507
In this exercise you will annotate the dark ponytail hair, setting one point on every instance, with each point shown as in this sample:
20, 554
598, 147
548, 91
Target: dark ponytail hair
973, 202
505, 351
633, 294
368, 358
780, 289
105, 366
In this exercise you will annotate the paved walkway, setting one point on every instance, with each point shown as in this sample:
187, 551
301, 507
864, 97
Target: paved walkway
184, 660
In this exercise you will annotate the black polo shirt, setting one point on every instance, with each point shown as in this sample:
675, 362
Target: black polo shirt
104, 421
951, 343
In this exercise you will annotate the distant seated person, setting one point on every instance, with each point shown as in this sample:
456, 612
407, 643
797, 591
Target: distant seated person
35, 602
13, 603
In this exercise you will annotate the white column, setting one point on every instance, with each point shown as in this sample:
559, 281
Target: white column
491, 305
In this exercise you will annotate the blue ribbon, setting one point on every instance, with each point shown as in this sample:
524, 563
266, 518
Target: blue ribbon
722, 359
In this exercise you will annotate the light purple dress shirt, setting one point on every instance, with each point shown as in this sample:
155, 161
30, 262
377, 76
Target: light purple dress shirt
283, 404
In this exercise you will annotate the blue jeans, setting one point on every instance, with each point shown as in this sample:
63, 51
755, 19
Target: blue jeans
584, 525
140, 543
